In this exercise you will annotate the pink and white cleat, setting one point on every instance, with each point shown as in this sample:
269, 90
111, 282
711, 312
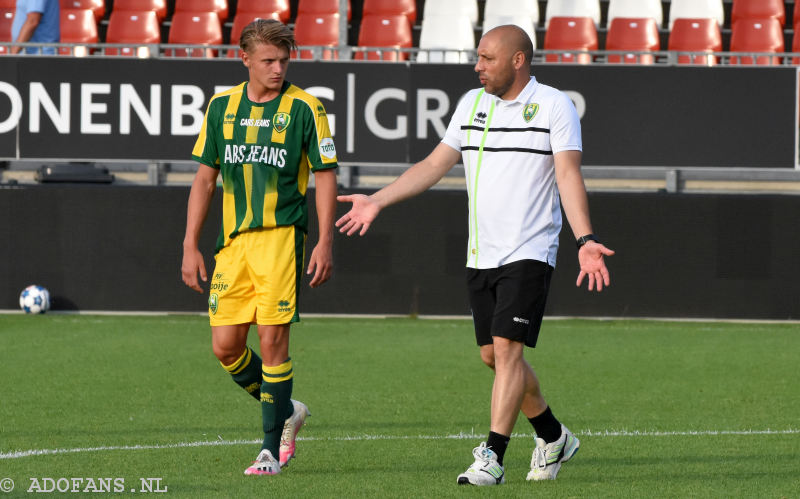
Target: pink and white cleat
290, 430
264, 464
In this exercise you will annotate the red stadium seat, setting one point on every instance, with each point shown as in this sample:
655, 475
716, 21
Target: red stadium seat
758, 9
194, 28
317, 29
635, 35
157, 6
6, 19
262, 6
380, 30
696, 35
322, 7
570, 33
757, 35
97, 6
77, 26
406, 8
200, 6
796, 17
241, 20
796, 42
136, 28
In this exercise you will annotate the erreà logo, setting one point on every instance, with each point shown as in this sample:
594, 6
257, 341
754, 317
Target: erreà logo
230, 119
480, 118
281, 121
530, 111
213, 303
284, 306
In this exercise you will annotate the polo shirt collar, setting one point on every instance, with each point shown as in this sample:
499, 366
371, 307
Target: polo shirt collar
523, 96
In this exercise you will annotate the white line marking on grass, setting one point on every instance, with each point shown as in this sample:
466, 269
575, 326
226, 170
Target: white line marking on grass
351, 438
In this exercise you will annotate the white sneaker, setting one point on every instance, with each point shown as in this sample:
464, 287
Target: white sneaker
264, 464
547, 458
485, 470
290, 429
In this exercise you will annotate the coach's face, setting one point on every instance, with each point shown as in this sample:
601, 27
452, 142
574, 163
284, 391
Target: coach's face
495, 66
267, 65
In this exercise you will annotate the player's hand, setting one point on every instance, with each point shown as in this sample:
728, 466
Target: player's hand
192, 265
320, 264
360, 216
590, 259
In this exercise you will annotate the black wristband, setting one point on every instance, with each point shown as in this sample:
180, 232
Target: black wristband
585, 239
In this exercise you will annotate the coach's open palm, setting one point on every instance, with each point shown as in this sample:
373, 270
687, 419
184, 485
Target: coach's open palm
360, 216
593, 266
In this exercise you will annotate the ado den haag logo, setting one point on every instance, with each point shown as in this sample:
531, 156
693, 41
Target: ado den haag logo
530, 111
281, 121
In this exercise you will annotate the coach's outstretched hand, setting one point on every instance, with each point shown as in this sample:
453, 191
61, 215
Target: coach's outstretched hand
590, 259
361, 215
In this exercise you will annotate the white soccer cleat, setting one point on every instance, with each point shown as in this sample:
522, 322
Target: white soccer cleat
547, 458
264, 464
290, 430
485, 470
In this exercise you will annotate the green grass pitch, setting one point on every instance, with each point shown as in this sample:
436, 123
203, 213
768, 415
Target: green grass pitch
662, 409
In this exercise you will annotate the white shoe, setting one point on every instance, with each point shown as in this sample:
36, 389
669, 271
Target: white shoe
264, 464
485, 470
547, 458
290, 429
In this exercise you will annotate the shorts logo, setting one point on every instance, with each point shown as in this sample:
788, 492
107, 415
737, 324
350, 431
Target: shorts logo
530, 111
213, 303
284, 306
326, 148
522, 321
281, 121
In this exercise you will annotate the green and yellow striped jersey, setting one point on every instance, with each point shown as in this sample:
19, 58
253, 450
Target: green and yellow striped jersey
265, 152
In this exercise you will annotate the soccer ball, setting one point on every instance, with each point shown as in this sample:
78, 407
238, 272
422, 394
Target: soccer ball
34, 300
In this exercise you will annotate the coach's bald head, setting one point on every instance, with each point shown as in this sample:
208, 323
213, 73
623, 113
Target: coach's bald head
513, 38
504, 59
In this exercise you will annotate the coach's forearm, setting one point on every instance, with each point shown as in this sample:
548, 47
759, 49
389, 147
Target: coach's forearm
573, 192
418, 178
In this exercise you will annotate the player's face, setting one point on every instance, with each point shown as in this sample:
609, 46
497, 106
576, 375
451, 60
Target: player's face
267, 65
495, 66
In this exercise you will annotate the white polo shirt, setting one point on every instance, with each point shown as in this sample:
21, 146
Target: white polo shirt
507, 148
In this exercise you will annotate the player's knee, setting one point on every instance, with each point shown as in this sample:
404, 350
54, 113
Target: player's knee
226, 354
487, 356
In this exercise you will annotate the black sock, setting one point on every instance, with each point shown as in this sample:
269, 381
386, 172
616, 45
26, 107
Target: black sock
498, 444
546, 426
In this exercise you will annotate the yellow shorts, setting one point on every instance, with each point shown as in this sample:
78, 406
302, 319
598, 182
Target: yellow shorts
257, 278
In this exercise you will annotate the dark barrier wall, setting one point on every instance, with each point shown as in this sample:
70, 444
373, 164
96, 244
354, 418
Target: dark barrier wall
119, 248
91, 108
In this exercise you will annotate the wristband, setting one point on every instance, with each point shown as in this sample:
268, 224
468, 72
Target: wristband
585, 239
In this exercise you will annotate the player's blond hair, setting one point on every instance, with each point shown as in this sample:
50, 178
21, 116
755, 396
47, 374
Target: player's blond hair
267, 31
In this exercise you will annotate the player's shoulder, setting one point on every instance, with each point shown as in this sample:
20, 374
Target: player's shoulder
312, 103
238, 89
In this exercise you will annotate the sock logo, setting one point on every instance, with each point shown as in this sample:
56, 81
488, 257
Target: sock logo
267, 397
253, 388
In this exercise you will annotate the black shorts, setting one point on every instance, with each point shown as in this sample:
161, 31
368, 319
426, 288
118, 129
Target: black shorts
509, 301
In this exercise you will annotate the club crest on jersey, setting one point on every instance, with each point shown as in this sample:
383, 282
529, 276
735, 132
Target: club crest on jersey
530, 111
281, 121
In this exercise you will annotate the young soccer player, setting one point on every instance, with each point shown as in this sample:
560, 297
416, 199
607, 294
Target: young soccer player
265, 136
